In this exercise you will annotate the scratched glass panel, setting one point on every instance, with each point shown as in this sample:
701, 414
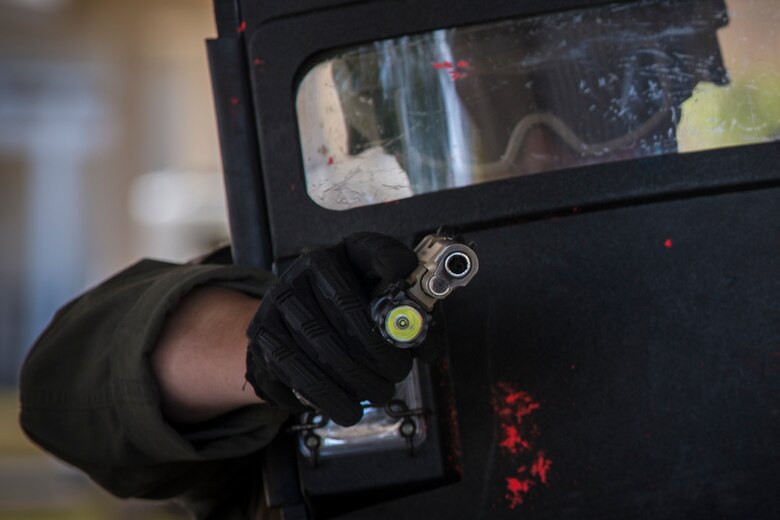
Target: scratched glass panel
460, 106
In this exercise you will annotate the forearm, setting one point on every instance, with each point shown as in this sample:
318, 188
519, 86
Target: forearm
200, 357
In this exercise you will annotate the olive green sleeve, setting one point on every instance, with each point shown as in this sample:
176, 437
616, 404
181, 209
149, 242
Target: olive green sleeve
88, 395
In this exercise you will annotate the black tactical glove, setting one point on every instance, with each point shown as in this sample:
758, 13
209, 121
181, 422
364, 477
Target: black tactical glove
313, 332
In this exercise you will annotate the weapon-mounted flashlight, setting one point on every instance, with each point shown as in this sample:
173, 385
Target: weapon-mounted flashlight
403, 313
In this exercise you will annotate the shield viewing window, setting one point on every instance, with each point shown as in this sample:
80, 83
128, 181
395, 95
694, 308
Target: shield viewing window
455, 107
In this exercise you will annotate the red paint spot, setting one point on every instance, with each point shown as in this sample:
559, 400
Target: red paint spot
234, 101
330, 161
259, 62
242, 27
668, 243
292, 186
455, 75
516, 489
541, 467
463, 64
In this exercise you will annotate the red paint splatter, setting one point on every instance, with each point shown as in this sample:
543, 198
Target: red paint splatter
234, 101
330, 161
438, 65
456, 72
668, 243
512, 439
518, 434
541, 467
516, 489
242, 27
258, 62
521, 403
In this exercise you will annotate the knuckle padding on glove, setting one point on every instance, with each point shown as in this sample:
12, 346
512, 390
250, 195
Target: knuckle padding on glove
282, 358
352, 318
302, 375
321, 342
272, 390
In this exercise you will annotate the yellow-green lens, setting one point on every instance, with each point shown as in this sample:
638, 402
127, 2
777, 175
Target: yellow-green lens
404, 323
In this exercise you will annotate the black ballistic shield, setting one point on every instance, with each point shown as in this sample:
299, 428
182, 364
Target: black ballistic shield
616, 357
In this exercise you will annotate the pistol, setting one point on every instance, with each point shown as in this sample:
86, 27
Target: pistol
403, 312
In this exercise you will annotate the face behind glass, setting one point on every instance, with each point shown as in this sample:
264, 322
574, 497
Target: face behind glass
459, 106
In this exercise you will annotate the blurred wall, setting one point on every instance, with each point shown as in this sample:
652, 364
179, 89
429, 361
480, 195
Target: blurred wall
105, 111
95, 95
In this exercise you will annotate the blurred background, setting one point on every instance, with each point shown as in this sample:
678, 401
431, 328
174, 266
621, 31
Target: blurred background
109, 153
105, 112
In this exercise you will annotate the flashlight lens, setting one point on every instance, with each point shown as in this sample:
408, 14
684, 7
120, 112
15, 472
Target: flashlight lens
404, 323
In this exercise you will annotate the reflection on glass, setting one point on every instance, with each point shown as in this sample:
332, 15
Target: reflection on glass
376, 431
455, 107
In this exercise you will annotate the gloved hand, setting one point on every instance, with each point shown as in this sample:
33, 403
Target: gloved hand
313, 331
